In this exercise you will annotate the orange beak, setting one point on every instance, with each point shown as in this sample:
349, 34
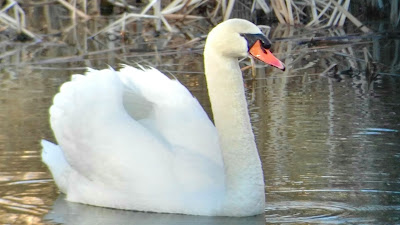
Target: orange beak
258, 52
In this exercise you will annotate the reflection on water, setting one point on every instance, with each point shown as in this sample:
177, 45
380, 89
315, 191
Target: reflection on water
329, 144
64, 212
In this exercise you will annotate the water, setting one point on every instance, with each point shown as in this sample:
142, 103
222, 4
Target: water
329, 142
334, 155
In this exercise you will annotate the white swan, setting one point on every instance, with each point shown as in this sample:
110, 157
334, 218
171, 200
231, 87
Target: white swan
135, 139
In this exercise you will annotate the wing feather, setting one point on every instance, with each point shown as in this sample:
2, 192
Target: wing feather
131, 127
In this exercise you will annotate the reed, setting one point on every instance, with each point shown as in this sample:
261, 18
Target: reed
165, 14
395, 12
17, 18
74, 10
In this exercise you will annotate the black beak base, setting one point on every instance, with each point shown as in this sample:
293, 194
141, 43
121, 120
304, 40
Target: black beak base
252, 38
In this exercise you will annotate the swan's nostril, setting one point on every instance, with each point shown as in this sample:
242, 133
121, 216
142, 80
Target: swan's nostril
266, 45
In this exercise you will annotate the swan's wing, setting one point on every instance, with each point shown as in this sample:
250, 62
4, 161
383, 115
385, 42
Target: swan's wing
167, 137
96, 135
170, 111
178, 119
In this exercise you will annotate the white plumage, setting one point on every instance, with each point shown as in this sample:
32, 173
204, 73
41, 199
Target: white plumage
135, 139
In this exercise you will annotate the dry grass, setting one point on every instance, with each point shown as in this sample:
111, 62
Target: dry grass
17, 20
164, 14
322, 13
308, 53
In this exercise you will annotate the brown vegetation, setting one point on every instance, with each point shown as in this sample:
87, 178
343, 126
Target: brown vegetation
163, 14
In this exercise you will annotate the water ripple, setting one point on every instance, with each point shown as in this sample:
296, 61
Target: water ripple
327, 212
336, 190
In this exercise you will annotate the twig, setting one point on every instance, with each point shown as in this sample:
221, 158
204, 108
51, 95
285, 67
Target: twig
73, 9
182, 16
263, 5
289, 10
351, 17
229, 9
327, 69
343, 17
278, 11
11, 21
314, 12
333, 16
129, 16
316, 19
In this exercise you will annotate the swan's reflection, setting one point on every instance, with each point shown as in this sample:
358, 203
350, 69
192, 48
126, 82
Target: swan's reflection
65, 212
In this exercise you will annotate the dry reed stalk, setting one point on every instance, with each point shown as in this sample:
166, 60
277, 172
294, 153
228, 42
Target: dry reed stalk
148, 7
395, 65
176, 6
214, 13
157, 13
229, 9
262, 4
8, 54
351, 17
317, 18
158, 17
299, 11
279, 13
19, 21
377, 3
182, 16
171, 5
323, 73
367, 55
253, 68
314, 12
84, 6
223, 6
194, 7
394, 12
119, 4
20, 17
333, 15
343, 17
290, 12
180, 4
73, 9
166, 24
283, 11
128, 18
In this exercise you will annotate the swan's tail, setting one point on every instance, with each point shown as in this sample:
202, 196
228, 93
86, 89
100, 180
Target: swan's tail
53, 157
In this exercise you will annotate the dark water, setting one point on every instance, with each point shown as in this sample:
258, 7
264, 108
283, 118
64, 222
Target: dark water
329, 142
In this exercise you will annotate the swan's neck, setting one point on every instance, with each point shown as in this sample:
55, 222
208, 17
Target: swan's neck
244, 175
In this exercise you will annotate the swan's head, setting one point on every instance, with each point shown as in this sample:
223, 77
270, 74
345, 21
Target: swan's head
241, 38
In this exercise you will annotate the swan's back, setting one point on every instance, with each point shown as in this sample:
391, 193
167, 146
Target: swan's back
135, 139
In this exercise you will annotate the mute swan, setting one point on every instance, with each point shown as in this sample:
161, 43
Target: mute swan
135, 139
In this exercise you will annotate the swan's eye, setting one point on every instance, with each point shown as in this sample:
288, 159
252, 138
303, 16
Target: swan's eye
252, 38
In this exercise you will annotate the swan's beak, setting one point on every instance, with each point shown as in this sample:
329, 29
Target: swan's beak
265, 55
